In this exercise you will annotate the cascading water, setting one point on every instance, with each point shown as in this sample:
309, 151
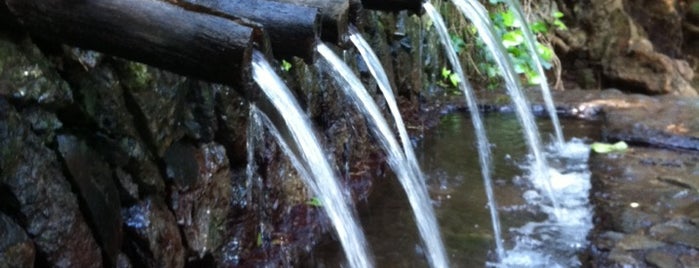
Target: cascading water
411, 180
323, 181
529, 40
481, 137
539, 170
374, 65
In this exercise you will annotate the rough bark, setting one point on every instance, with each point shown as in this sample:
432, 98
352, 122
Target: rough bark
335, 16
293, 29
150, 31
394, 5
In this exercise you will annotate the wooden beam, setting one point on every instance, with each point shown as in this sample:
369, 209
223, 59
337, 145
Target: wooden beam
293, 29
334, 14
394, 5
150, 31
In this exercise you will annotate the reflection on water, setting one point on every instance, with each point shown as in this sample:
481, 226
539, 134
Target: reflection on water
450, 162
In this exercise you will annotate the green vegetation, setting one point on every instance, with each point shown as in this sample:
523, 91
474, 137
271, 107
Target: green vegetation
286, 66
314, 202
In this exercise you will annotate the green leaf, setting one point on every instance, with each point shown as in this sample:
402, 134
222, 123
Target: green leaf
545, 52
539, 27
445, 73
560, 25
314, 202
557, 14
259, 239
286, 66
458, 43
512, 38
509, 19
454, 79
603, 148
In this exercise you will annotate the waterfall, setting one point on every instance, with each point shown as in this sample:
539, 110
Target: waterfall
484, 153
322, 180
411, 179
474, 11
545, 90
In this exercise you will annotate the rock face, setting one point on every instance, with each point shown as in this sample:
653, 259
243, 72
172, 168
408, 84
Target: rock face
107, 162
635, 44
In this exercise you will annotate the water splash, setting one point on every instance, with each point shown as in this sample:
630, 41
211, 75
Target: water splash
557, 241
539, 170
529, 40
411, 179
323, 182
484, 153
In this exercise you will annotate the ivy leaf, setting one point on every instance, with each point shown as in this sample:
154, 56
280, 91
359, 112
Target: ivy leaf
286, 66
314, 202
557, 14
445, 73
539, 27
512, 38
458, 43
454, 79
509, 19
545, 52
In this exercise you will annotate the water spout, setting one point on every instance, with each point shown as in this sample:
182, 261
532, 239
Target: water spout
478, 15
482, 139
545, 90
323, 181
411, 179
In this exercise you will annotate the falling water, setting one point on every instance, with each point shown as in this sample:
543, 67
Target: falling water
475, 11
411, 179
374, 65
323, 182
482, 140
545, 90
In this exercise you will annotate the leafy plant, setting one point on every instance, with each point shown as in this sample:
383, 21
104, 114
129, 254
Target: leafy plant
286, 66
314, 202
450, 76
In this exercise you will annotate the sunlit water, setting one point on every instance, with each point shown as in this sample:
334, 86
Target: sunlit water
447, 154
410, 177
322, 181
529, 40
481, 136
539, 169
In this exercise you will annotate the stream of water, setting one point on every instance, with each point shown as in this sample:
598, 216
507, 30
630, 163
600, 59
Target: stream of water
530, 42
322, 180
539, 170
481, 137
412, 180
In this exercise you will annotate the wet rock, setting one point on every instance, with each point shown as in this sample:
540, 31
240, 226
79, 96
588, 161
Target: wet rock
678, 231
26, 76
43, 123
153, 239
16, 249
101, 105
50, 210
636, 242
232, 113
200, 119
93, 179
202, 203
645, 194
156, 99
662, 259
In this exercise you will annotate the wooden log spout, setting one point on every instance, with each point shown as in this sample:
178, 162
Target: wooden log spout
150, 31
394, 5
293, 30
334, 15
